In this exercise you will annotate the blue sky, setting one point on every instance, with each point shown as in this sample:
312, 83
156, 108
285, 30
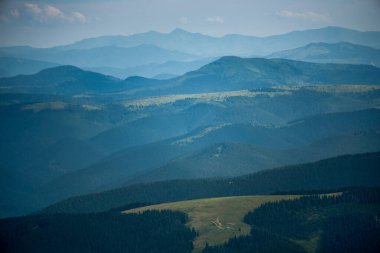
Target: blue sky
54, 22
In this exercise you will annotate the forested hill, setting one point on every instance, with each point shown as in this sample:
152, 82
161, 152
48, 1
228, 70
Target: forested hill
151, 231
233, 73
330, 174
225, 74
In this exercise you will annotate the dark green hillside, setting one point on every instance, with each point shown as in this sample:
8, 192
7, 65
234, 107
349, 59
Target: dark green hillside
231, 159
343, 223
151, 231
65, 80
146, 130
218, 160
325, 125
64, 156
234, 73
220, 151
335, 173
84, 130
40, 141
226, 74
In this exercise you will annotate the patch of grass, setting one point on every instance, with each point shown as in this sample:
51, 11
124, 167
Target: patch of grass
216, 219
342, 88
200, 97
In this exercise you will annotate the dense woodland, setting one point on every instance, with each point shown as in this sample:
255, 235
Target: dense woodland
328, 175
343, 223
149, 232
347, 222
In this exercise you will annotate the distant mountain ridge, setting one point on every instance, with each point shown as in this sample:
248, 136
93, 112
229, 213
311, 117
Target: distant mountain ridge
342, 52
111, 56
232, 44
131, 55
169, 68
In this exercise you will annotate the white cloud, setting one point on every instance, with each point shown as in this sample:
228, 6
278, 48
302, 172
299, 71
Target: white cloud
308, 15
52, 11
183, 20
79, 16
216, 19
33, 9
47, 13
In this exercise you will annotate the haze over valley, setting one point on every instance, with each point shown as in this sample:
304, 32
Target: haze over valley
162, 134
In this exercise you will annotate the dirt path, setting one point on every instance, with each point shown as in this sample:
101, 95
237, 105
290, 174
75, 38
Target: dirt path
217, 223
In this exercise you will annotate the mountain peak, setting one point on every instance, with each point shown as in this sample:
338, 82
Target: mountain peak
229, 58
337, 28
178, 31
64, 69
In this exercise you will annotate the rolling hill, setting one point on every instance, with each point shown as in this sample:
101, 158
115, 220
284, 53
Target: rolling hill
169, 69
226, 150
66, 80
226, 74
234, 73
114, 135
342, 52
332, 174
230, 159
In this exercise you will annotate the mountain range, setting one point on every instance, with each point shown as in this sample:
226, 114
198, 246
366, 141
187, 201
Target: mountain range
153, 53
225, 74
232, 44
99, 141
68, 130
230, 73
104, 125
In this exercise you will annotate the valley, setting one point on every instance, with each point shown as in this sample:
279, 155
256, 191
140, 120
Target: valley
187, 136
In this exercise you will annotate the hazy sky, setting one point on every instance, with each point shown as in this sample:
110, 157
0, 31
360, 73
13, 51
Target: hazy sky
54, 22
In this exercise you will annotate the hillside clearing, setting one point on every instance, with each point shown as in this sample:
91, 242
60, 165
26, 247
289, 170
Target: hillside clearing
216, 219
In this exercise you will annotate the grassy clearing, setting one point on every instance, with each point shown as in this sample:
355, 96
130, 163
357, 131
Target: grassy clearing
342, 88
201, 97
216, 219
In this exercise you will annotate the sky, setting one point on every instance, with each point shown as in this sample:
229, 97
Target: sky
57, 22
